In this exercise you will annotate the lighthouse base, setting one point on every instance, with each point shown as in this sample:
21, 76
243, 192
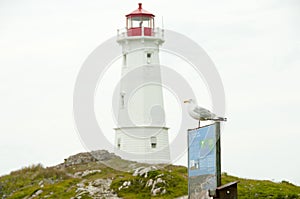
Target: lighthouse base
145, 144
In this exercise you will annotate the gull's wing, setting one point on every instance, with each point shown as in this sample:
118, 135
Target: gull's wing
198, 109
203, 113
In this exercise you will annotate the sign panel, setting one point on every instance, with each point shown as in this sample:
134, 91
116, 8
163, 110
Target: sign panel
202, 161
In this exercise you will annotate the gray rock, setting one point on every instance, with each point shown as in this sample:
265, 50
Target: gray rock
159, 180
81, 185
155, 191
99, 188
85, 173
143, 171
82, 158
41, 182
38, 192
103, 155
149, 183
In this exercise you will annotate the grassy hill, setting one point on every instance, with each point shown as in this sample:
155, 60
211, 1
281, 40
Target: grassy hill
248, 188
82, 176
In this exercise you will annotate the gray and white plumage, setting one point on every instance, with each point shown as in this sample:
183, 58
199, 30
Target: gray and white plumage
200, 113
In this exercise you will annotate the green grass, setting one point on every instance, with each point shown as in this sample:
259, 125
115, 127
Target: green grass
176, 184
24, 182
58, 183
63, 189
260, 189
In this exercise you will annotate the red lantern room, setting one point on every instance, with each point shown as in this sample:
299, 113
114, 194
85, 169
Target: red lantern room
140, 22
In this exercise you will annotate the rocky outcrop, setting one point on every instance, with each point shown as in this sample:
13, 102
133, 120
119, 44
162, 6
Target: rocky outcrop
103, 155
143, 171
154, 181
98, 189
86, 173
83, 158
97, 175
35, 194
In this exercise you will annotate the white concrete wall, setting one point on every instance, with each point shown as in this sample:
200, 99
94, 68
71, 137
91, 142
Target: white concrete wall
136, 144
141, 109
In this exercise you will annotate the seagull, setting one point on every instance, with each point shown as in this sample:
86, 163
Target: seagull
200, 113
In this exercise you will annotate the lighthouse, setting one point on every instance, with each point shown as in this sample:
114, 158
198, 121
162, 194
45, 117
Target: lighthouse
141, 134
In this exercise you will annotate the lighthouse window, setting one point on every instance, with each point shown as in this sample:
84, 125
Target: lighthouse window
153, 142
148, 58
122, 99
136, 22
119, 143
124, 60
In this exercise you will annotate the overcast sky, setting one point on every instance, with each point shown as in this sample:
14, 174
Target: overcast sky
255, 46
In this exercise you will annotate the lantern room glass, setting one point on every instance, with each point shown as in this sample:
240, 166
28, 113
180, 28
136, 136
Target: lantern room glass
140, 21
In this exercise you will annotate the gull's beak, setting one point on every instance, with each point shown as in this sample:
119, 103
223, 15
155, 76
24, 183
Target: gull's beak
186, 101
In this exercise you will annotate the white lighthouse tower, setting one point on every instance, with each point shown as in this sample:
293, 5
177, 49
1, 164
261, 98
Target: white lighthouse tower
141, 134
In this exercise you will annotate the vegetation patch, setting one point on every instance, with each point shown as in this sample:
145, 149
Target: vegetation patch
262, 189
168, 185
148, 181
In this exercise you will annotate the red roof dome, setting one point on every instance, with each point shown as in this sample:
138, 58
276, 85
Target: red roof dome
140, 12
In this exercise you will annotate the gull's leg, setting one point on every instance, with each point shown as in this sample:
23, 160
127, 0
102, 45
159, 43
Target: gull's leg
199, 123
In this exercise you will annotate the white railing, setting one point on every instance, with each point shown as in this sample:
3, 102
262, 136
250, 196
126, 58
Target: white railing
121, 33
157, 33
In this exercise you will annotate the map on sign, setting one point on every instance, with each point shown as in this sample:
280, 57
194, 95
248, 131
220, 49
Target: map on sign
202, 161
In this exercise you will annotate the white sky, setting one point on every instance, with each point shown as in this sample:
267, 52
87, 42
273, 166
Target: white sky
255, 46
